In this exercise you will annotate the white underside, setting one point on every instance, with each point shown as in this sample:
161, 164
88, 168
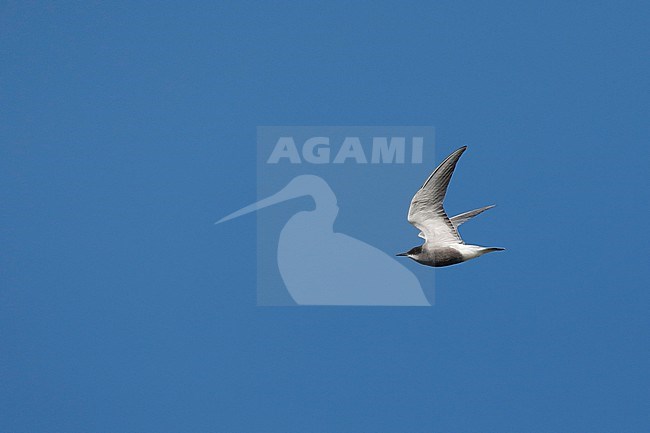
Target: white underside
469, 251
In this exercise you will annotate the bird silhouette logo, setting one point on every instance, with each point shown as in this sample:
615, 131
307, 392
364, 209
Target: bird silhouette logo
322, 267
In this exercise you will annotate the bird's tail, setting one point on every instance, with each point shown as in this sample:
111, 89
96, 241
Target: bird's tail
491, 249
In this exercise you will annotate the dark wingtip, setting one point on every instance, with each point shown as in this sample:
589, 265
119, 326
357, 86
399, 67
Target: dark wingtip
460, 150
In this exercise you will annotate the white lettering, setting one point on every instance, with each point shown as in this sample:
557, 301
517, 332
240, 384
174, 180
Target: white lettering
322, 154
284, 148
351, 148
387, 153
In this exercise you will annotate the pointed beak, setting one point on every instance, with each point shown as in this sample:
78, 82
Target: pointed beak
282, 195
401, 254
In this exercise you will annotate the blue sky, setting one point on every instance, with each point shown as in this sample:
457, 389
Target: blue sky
127, 129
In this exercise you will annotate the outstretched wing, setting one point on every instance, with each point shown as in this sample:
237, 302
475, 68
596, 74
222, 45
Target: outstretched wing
426, 211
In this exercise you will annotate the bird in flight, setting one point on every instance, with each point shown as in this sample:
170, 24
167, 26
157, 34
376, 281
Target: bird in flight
443, 245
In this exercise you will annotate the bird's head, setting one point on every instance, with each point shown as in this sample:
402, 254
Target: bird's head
413, 253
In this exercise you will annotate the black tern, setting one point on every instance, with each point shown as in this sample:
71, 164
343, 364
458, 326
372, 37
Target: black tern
443, 245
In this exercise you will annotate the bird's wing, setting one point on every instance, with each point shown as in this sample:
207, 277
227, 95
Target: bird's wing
466, 216
426, 211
